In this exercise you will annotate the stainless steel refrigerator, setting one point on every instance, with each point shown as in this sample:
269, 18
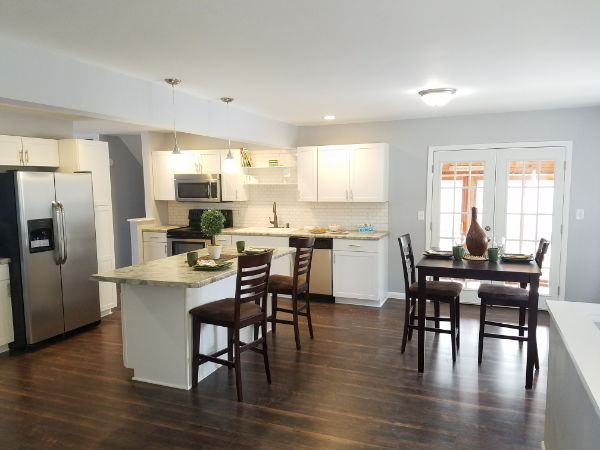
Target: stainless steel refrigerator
47, 229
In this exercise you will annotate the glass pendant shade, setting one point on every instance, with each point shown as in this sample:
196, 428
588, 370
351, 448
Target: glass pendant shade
229, 164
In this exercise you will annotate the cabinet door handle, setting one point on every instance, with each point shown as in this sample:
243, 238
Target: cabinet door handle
351, 194
26, 156
165, 249
346, 194
353, 245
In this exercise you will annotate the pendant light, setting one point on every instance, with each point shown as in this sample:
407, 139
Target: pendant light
229, 165
176, 158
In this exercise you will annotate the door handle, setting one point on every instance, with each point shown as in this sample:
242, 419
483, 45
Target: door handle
63, 232
346, 194
26, 157
57, 232
351, 195
353, 245
21, 156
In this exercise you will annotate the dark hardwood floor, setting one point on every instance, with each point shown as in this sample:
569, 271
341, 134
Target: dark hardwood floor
349, 387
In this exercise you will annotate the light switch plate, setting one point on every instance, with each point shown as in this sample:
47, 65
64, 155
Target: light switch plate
421, 215
579, 214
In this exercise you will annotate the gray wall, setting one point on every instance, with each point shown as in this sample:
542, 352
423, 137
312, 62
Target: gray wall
409, 141
127, 184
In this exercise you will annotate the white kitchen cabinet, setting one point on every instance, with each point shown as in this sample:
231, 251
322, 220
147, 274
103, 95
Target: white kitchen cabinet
224, 239
353, 173
360, 271
307, 174
80, 155
6, 319
233, 188
154, 250
108, 291
11, 151
209, 161
40, 152
334, 173
105, 250
162, 177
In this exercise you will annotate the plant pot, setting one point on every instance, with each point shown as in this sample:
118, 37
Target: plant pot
477, 241
214, 251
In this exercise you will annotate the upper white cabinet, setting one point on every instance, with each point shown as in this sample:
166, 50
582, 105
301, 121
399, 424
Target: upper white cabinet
11, 151
40, 152
80, 155
25, 151
233, 188
353, 173
162, 177
209, 161
307, 174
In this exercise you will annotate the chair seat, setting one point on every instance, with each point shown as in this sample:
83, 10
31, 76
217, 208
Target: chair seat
282, 284
502, 294
437, 289
222, 312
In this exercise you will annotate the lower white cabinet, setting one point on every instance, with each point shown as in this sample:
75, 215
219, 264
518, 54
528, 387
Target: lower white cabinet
261, 241
154, 250
359, 271
6, 320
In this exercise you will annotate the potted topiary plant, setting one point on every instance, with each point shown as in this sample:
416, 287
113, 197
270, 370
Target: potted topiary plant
212, 221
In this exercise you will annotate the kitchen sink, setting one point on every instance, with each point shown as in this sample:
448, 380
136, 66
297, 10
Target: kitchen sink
269, 230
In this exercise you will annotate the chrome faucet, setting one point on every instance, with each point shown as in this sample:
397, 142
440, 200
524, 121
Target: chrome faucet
274, 221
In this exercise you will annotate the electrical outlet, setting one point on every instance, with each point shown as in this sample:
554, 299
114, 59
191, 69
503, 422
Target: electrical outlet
421, 215
579, 214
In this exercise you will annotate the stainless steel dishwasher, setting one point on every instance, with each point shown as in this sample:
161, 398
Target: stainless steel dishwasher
321, 271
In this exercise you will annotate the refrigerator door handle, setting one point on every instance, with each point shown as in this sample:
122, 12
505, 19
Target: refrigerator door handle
63, 233
57, 231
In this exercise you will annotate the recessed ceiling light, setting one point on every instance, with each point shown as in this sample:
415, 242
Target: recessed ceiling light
437, 96
329, 117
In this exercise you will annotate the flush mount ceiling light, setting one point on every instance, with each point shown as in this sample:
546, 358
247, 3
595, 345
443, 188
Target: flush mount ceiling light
437, 97
229, 165
329, 117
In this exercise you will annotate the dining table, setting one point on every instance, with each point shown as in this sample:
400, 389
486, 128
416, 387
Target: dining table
520, 272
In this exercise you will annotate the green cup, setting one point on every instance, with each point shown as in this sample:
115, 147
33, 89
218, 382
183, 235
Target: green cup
192, 258
458, 251
493, 254
241, 245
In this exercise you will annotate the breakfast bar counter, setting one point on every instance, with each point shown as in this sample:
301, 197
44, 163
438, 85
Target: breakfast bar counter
156, 298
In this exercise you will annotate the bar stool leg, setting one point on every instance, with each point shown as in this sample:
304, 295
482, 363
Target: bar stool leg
482, 311
264, 350
238, 366
229, 346
458, 322
307, 300
274, 312
436, 312
296, 329
413, 308
521, 323
407, 304
453, 329
195, 351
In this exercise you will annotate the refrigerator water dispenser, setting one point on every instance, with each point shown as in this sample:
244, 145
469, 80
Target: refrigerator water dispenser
41, 235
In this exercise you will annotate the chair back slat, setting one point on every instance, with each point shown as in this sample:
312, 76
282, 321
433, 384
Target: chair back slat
252, 280
303, 261
408, 261
541, 251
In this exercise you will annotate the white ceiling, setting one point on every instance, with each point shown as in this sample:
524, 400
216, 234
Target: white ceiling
361, 60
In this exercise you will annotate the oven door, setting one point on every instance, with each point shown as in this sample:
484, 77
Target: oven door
176, 246
197, 188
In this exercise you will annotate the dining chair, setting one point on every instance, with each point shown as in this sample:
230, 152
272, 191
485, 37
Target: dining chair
436, 291
297, 286
511, 296
246, 309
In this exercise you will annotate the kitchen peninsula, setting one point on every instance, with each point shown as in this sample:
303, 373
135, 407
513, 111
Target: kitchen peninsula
156, 298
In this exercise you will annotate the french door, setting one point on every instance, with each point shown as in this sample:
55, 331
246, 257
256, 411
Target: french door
519, 195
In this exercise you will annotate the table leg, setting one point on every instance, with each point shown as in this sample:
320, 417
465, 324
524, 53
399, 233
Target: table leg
421, 306
532, 329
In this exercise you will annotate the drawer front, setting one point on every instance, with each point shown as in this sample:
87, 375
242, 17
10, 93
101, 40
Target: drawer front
223, 239
154, 236
355, 245
4, 275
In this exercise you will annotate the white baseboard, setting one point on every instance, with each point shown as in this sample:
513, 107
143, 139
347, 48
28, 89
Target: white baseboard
3, 348
360, 302
396, 295
106, 312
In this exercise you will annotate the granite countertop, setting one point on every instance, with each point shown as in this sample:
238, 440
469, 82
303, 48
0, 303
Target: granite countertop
4, 260
247, 231
175, 272
159, 228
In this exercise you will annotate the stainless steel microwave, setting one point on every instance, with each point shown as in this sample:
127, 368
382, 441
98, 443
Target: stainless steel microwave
198, 188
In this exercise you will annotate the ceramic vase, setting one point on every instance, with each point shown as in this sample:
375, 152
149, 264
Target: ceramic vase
476, 238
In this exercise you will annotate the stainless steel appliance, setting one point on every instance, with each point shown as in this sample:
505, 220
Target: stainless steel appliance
187, 239
197, 187
321, 269
47, 229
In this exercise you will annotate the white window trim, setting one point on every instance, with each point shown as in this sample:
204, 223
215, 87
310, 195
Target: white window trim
567, 145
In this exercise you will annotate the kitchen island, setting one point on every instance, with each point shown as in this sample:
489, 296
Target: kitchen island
156, 298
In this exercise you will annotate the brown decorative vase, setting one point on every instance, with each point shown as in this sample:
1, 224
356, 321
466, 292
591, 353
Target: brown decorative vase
476, 238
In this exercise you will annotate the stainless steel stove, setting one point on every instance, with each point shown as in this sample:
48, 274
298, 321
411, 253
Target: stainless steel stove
190, 238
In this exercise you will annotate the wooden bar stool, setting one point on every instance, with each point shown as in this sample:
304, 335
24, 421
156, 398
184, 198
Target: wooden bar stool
502, 295
249, 307
296, 285
436, 291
